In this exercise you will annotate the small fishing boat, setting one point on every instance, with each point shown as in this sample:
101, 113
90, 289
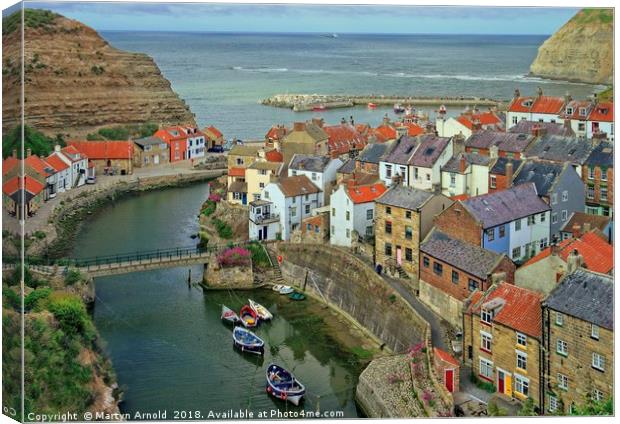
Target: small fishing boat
297, 296
262, 312
248, 317
372, 106
248, 341
319, 108
398, 108
283, 385
286, 290
229, 315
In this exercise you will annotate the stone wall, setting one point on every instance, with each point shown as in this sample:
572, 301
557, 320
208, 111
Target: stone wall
238, 277
442, 303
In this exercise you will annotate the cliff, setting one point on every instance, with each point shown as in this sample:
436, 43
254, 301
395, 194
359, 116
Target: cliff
582, 50
76, 83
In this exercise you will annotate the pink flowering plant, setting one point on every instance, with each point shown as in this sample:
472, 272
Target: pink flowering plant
214, 197
234, 256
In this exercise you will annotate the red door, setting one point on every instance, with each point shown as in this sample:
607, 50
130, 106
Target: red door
500, 382
449, 379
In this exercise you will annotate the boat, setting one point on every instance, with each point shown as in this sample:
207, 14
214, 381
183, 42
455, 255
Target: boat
277, 287
248, 317
248, 341
229, 315
286, 290
283, 385
262, 312
398, 108
297, 296
372, 106
319, 108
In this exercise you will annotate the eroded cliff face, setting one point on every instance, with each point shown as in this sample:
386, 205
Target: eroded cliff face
76, 83
582, 50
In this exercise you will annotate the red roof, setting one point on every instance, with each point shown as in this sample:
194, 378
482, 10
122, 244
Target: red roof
274, 156
598, 255
236, 172
277, 132
576, 105
38, 165
520, 104
343, 138
485, 118
413, 129
603, 111
32, 186
217, 133
445, 356
315, 220
521, 310
385, 132
70, 152
177, 132
8, 164
463, 196
364, 194
101, 150
57, 163
548, 104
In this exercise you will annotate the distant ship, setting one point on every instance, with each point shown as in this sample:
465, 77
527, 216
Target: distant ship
330, 35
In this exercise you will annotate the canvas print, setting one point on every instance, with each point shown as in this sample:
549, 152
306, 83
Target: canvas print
291, 211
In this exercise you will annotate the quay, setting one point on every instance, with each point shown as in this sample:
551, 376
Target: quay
306, 102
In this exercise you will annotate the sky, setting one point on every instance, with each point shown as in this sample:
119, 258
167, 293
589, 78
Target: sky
308, 18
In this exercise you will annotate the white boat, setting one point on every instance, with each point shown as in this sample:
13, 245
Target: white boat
286, 290
262, 312
277, 288
229, 315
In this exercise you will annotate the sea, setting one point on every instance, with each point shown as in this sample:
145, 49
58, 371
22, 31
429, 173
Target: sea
223, 76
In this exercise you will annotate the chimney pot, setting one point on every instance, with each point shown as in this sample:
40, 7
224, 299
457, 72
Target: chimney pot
462, 165
509, 172
587, 227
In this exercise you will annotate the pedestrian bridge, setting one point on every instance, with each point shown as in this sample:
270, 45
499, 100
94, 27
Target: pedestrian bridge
99, 266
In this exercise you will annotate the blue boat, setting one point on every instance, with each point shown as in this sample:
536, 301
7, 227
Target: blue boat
247, 341
283, 385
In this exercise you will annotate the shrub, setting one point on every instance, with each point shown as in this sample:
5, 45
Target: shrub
70, 312
223, 229
234, 256
484, 385
36, 297
259, 257
214, 197
40, 235
11, 298
210, 208
72, 277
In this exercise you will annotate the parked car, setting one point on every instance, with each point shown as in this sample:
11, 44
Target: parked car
216, 149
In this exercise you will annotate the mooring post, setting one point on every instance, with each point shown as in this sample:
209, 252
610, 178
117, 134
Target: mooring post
189, 279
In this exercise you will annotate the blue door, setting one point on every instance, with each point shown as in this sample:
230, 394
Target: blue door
244, 198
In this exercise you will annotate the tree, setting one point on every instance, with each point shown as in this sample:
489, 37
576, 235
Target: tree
39, 143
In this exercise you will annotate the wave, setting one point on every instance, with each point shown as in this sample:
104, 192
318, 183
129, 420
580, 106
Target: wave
266, 70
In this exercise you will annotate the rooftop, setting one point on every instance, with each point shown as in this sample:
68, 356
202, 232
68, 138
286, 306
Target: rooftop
499, 167
551, 128
484, 118
586, 295
543, 174
245, 149
548, 105
348, 167
599, 222
366, 193
313, 163
602, 155
508, 142
431, 147
148, 141
403, 152
454, 164
374, 152
602, 112
104, 149
298, 185
404, 197
266, 165
557, 148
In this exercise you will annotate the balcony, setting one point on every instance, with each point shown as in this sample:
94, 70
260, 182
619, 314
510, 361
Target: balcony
265, 218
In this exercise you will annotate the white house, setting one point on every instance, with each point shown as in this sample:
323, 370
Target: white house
62, 172
321, 170
195, 143
601, 119
538, 108
397, 161
353, 209
467, 123
466, 173
425, 164
291, 199
78, 162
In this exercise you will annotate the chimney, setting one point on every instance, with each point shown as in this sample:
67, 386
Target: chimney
574, 261
509, 172
540, 91
14, 153
458, 143
538, 130
587, 227
397, 179
476, 124
299, 126
559, 274
57, 148
494, 151
568, 98
318, 122
576, 230
277, 145
517, 93
28, 152
462, 164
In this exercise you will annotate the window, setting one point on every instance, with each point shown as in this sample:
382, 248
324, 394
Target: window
452, 179
388, 249
437, 268
266, 195
486, 340
559, 318
493, 181
314, 176
597, 395
333, 211
309, 227
388, 227
554, 198
472, 285
591, 173
409, 254
514, 120
582, 111
428, 177
333, 229
263, 172
603, 174
543, 243
553, 403
569, 110
561, 347
316, 228
294, 211
502, 231
543, 217
594, 332
369, 214
455, 277
486, 316
565, 196
522, 385
486, 368
348, 233
294, 173
426, 262
408, 214
562, 381
516, 252
490, 234
415, 173
408, 232
518, 225
237, 196
369, 231
388, 171
261, 185
521, 339
388, 210
348, 216
521, 360
564, 215
554, 218
603, 193
531, 220
307, 209
598, 361
239, 161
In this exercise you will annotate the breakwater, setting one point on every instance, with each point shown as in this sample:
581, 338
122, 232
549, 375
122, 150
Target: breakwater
306, 102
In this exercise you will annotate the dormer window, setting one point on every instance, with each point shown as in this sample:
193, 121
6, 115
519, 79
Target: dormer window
569, 110
582, 111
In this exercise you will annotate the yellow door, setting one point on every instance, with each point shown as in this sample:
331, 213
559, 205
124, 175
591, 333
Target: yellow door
508, 385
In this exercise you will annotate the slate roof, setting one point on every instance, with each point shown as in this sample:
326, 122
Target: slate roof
602, 155
431, 147
543, 174
404, 197
374, 152
499, 167
467, 257
454, 164
508, 142
297, 186
551, 128
314, 163
148, 141
403, 151
585, 295
348, 167
557, 148
504, 206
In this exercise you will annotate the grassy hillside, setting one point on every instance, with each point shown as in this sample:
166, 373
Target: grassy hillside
33, 18
39, 143
590, 16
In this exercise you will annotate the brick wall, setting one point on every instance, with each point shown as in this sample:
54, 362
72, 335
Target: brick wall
597, 183
456, 222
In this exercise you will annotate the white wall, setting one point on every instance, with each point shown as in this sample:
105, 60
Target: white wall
396, 170
340, 204
529, 233
451, 127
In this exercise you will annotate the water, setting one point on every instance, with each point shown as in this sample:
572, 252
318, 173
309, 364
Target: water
167, 344
223, 77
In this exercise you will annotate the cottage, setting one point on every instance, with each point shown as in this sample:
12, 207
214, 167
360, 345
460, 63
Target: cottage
466, 173
46, 171
396, 162
575, 115
468, 123
353, 212
540, 108
403, 217
62, 174
344, 141
514, 221
307, 138
502, 172
321, 170
498, 144
452, 269
239, 158
425, 164
598, 178
214, 137
369, 159
502, 337
184, 142
275, 135
601, 120
22, 195
150, 151
315, 229
578, 340
108, 157
259, 174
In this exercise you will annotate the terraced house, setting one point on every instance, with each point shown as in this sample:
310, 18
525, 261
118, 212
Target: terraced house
578, 339
598, 178
502, 336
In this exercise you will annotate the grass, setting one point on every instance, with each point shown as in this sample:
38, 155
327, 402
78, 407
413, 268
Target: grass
33, 18
210, 208
361, 353
484, 385
259, 257
121, 132
223, 229
587, 16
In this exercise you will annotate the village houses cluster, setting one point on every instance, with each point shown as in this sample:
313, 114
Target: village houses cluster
501, 223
